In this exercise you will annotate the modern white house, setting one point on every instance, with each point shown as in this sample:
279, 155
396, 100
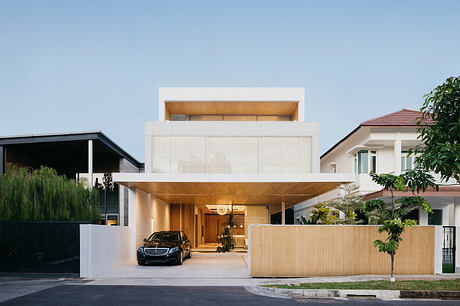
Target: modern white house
214, 150
380, 145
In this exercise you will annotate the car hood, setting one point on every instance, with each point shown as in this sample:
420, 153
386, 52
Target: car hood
160, 244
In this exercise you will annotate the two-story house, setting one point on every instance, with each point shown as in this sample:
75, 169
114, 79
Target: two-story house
380, 145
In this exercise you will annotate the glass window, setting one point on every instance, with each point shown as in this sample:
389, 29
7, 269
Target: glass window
365, 162
406, 161
177, 117
373, 161
435, 218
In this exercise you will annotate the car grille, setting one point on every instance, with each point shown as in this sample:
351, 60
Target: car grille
156, 251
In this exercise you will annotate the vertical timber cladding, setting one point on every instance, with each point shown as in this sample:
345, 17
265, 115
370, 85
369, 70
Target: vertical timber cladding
182, 219
322, 250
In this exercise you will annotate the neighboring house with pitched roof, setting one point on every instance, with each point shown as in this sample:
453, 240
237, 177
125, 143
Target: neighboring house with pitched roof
381, 145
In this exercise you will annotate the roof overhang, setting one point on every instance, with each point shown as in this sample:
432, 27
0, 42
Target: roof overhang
233, 188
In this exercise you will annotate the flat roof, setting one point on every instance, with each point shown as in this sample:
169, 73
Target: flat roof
277, 98
204, 188
66, 137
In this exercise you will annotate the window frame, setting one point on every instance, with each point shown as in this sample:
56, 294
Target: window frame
371, 161
404, 155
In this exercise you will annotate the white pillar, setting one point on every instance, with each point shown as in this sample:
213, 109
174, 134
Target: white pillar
90, 164
283, 212
397, 157
457, 211
438, 240
423, 217
132, 206
342, 193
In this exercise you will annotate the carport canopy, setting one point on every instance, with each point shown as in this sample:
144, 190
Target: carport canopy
244, 189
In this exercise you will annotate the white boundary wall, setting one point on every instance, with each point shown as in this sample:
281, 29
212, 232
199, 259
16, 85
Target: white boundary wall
103, 248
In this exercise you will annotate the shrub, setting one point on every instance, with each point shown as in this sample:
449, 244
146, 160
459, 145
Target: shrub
42, 194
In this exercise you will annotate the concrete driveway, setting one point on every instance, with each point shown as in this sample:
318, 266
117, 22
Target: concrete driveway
200, 270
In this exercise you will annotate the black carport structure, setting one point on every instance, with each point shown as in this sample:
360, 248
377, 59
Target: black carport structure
69, 154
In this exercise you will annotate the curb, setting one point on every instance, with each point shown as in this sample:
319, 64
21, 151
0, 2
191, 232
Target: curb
348, 293
428, 294
324, 293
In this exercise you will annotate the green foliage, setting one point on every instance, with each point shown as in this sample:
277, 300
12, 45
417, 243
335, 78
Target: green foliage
348, 204
321, 215
389, 215
44, 195
440, 151
226, 239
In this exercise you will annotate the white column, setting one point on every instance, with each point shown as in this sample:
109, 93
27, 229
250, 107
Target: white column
397, 157
457, 211
283, 212
342, 196
132, 206
438, 237
423, 217
90, 164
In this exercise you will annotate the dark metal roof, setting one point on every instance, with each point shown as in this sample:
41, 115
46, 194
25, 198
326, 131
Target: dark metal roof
64, 137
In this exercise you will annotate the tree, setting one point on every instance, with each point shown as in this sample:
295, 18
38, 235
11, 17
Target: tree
348, 204
42, 194
226, 239
439, 129
389, 215
320, 215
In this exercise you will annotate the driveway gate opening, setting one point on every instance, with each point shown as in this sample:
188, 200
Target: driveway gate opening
448, 249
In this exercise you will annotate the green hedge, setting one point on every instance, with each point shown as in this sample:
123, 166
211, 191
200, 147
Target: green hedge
44, 195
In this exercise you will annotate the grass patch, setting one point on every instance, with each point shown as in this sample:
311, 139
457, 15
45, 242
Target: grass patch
437, 285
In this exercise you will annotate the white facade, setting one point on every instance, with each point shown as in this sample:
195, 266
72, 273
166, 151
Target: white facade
379, 148
232, 147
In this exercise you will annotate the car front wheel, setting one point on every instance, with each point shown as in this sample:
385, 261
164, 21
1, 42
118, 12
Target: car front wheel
180, 260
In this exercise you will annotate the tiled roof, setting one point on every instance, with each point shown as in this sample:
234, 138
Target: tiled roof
404, 117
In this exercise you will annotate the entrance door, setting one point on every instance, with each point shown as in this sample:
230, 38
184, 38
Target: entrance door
212, 228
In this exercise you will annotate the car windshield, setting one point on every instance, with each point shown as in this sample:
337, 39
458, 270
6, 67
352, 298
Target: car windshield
164, 236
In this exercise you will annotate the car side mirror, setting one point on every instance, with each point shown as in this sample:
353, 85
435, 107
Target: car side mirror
145, 239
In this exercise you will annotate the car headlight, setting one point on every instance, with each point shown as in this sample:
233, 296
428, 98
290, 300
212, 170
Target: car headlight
173, 250
141, 249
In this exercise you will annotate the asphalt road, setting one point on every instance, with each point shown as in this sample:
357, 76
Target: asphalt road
141, 295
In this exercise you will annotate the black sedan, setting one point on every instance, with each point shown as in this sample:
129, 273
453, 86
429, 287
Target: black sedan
167, 247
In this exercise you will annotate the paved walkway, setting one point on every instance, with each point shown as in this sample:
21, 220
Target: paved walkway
200, 270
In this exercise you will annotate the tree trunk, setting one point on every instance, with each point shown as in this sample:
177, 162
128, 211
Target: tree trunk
392, 277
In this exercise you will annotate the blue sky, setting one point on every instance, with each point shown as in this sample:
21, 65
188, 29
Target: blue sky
96, 65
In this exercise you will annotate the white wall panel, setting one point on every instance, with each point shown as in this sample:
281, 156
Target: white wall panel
229, 147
